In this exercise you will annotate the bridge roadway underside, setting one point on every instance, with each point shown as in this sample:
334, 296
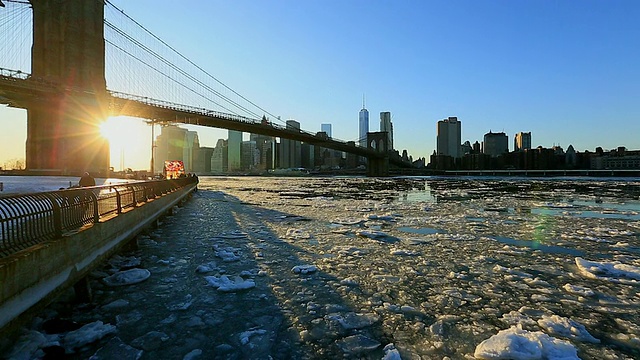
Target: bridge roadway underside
32, 278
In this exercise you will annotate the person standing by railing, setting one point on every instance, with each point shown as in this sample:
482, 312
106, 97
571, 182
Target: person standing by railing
87, 180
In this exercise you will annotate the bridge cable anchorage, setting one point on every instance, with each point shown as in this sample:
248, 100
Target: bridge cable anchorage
176, 68
189, 61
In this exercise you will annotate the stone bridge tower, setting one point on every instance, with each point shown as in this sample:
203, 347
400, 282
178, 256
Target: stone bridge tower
68, 49
378, 141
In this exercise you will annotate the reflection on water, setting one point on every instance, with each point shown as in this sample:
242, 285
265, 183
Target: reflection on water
536, 245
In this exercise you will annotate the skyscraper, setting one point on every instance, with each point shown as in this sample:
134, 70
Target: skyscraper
326, 128
386, 125
522, 141
234, 148
449, 138
175, 143
363, 125
291, 150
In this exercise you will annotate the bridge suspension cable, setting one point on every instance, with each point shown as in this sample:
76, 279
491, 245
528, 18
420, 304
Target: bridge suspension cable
16, 35
124, 38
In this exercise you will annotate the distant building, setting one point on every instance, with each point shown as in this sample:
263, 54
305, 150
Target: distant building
290, 150
250, 158
220, 158
386, 125
202, 160
190, 150
234, 151
326, 128
522, 141
449, 137
363, 126
175, 143
266, 147
495, 144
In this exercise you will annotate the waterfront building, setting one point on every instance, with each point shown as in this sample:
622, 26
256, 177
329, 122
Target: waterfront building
234, 151
190, 150
495, 144
326, 128
386, 125
250, 158
522, 141
449, 137
202, 160
290, 150
220, 158
170, 145
266, 148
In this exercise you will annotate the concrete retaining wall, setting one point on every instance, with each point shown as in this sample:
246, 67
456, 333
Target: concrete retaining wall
31, 279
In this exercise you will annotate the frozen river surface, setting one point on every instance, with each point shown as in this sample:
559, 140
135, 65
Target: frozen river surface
327, 268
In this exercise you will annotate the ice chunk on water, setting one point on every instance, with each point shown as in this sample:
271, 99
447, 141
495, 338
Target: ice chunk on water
86, 335
225, 284
578, 290
610, 271
304, 269
558, 325
297, 234
378, 235
516, 343
127, 277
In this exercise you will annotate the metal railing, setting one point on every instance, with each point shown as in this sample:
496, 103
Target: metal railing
29, 219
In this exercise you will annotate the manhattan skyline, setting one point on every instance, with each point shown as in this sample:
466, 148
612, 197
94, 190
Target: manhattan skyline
565, 71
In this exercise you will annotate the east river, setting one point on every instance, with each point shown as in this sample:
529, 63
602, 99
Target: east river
397, 268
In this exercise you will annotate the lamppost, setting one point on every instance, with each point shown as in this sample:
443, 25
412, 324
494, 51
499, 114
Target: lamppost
153, 146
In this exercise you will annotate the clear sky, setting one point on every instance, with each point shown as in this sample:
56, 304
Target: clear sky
567, 71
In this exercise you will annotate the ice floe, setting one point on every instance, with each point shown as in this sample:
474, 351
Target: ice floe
561, 326
225, 284
304, 269
519, 344
127, 277
614, 271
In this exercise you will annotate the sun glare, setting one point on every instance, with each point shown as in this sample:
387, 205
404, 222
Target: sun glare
129, 141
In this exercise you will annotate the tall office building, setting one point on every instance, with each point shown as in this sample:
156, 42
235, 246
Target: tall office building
386, 125
449, 137
496, 144
326, 128
190, 150
175, 143
363, 123
220, 157
290, 150
266, 147
234, 148
522, 141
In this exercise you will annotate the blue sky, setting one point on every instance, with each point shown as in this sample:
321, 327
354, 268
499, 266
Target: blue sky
568, 71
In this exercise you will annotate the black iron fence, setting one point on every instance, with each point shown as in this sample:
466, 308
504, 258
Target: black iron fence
29, 219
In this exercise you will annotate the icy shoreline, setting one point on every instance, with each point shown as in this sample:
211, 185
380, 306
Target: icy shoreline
371, 268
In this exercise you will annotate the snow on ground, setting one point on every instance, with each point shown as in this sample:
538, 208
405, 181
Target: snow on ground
408, 268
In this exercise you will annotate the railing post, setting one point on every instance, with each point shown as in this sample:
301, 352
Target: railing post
133, 196
57, 215
96, 214
118, 200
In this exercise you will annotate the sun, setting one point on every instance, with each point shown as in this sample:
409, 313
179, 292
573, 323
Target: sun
129, 140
